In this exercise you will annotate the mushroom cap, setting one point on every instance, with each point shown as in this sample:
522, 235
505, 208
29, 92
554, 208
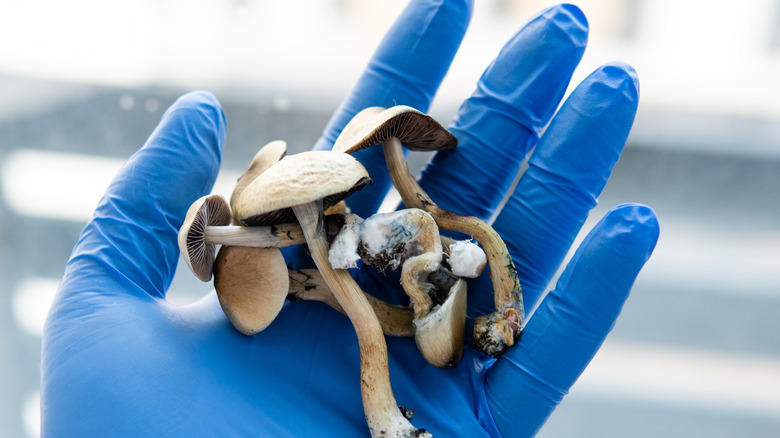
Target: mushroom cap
374, 125
440, 334
252, 285
299, 179
266, 157
207, 211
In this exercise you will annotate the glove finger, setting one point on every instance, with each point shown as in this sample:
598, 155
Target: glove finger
500, 123
528, 381
566, 173
406, 69
131, 242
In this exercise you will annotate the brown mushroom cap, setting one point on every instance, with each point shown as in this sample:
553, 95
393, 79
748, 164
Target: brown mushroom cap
252, 286
199, 255
266, 157
299, 179
374, 125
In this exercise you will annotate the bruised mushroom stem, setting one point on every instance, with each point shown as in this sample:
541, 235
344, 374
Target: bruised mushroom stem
494, 332
413, 278
382, 413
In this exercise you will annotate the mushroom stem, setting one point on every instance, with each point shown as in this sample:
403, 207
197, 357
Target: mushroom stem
383, 416
495, 332
414, 281
265, 236
308, 284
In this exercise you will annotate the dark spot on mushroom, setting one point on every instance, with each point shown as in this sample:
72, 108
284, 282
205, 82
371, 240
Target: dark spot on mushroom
442, 281
383, 259
407, 413
418, 433
492, 335
335, 224
425, 200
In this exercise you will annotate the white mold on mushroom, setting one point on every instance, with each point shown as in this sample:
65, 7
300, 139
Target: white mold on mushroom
388, 238
343, 251
383, 240
466, 259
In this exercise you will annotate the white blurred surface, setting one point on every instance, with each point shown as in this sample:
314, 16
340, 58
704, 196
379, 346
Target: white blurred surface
692, 55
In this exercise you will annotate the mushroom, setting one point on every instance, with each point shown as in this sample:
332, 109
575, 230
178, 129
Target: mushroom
439, 334
267, 200
301, 186
408, 238
206, 212
252, 284
207, 225
402, 125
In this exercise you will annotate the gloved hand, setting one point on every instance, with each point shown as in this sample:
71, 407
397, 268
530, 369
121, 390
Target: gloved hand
118, 360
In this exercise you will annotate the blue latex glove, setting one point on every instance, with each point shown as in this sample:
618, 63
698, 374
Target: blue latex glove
118, 360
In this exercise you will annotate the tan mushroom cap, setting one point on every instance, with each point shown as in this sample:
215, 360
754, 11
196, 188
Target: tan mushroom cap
299, 179
266, 157
207, 211
440, 334
252, 286
374, 125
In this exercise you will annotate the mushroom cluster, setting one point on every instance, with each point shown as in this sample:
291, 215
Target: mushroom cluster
401, 126
284, 200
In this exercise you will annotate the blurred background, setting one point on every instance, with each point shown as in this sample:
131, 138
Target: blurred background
697, 349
